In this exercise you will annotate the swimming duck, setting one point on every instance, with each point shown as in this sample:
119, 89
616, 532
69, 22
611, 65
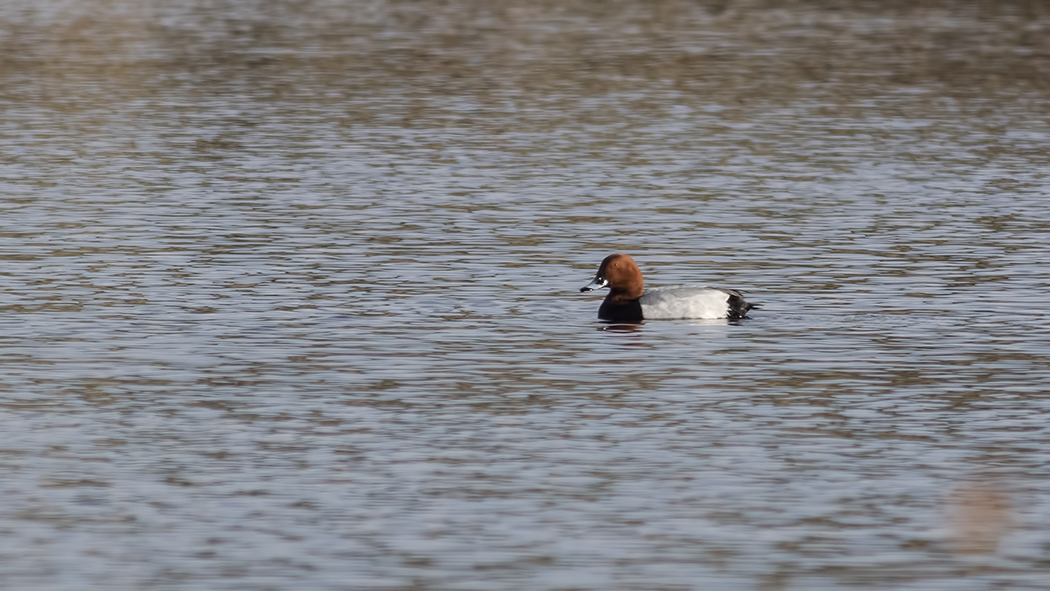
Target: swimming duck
627, 302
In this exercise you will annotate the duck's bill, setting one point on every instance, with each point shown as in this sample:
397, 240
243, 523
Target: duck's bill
598, 283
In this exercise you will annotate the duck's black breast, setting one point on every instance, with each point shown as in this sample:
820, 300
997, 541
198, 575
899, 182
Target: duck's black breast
620, 311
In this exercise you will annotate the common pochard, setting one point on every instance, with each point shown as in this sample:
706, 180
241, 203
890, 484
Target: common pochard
628, 302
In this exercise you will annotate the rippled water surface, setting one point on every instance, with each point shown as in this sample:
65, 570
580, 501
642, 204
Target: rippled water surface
289, 295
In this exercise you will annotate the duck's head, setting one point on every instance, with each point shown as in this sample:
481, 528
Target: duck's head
620, 274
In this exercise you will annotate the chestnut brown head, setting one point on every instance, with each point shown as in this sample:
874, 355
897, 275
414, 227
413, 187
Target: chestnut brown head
621, 275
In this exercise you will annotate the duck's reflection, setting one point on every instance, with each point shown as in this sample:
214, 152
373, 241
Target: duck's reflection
624, 328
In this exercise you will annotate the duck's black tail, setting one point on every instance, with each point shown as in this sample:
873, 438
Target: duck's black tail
738, 306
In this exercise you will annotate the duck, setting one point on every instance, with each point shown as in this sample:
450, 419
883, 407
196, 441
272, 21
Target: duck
627, 302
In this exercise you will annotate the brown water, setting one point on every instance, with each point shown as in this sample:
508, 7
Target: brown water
289, 295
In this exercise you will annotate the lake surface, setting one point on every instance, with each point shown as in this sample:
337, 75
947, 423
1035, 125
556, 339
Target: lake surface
289, 295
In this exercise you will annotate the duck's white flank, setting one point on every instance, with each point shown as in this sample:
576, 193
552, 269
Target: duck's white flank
682, 301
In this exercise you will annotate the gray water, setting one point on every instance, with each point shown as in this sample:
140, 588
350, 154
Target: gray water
289, 295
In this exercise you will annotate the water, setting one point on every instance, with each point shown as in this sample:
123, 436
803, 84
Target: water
289, 295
